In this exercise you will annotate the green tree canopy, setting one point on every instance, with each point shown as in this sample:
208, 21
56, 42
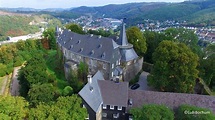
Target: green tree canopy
41, 93
136, 38
185, 36
174, 68
75, 28
66, 108
49, 34
152, 112
207, 66
152, 40
14, 108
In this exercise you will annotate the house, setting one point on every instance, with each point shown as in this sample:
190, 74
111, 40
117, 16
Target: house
115, 58
111, 100
105, 99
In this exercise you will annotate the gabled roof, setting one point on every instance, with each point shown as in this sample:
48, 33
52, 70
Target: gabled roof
114, 93
101, 91
93, 97
92, 46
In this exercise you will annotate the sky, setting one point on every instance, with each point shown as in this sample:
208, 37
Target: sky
41, 4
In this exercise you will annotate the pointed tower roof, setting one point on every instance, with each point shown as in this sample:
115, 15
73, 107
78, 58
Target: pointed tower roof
126, 49
123, 41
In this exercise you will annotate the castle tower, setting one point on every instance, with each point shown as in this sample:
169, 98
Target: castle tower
126, 49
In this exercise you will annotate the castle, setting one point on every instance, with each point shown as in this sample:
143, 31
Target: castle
115, 58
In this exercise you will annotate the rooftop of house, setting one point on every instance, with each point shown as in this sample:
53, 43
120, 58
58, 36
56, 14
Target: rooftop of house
91, 93
172, 100
114, 93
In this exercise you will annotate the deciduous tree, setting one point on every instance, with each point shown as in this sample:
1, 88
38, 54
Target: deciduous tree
136, 38
174, 68
152, 112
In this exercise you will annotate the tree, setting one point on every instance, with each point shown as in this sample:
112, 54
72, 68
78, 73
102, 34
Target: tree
66, 108
14, 108
49, 35
136, 38
174, 68
41, 93
188, 112
75, 28
207, 66
82, 72
152, 112
185, 36
152, 41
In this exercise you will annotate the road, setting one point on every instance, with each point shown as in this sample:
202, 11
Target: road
14, 87
24, 37
143, 82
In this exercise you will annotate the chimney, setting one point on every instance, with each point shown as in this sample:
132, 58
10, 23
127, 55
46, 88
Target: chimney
89, 78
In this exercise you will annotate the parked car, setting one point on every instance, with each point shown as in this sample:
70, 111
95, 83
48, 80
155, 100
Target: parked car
135, 86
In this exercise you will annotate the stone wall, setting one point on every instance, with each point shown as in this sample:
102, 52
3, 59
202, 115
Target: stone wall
132, 68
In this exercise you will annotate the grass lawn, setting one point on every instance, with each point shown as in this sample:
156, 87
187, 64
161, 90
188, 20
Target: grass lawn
52, 64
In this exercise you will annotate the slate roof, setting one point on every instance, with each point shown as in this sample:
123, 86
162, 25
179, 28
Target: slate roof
92, 46
172, 100
114, 93
128, 54
123, 41
126, 49
93, 98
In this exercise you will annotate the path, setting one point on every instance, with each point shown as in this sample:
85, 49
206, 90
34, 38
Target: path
14, 88
4, 84
143, 82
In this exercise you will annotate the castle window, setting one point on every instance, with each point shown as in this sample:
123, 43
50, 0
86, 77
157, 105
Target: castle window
104, 114
116, 115
104, 106
104, 66
119, 107
111, 107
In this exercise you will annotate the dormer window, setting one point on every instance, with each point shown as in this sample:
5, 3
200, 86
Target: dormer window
100, 36
79, 41
64, 42
81, 49
100, 45
91, 35
71, 38
71, 47
91, 89
92, 52
103, 55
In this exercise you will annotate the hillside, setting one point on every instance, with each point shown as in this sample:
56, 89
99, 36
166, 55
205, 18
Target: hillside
191, 11
14, 24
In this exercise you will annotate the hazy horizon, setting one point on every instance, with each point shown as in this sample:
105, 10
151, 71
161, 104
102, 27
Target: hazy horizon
38, 4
